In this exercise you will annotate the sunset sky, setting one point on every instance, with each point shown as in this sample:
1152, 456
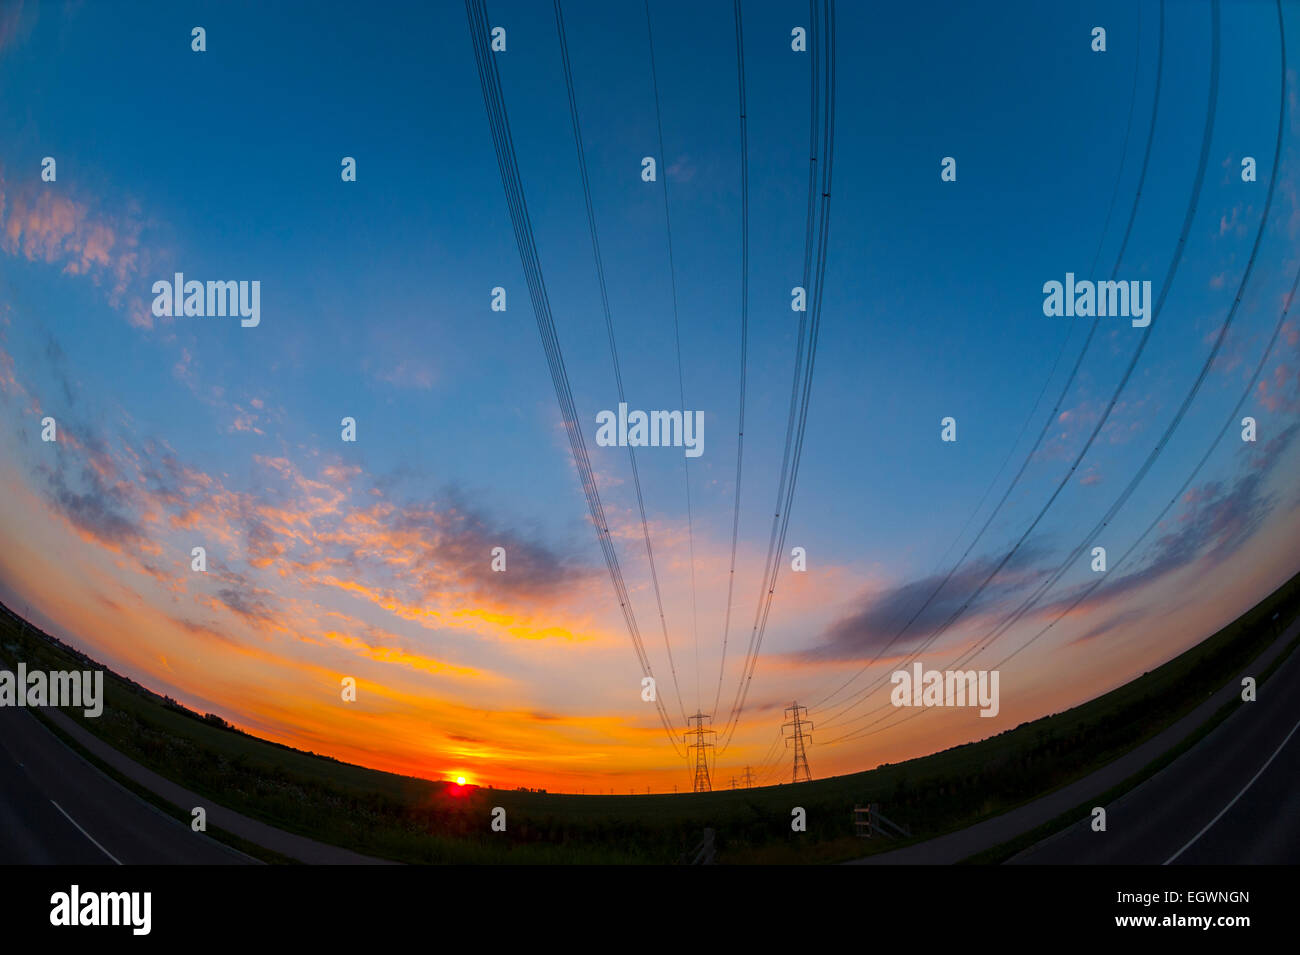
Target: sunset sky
372, 559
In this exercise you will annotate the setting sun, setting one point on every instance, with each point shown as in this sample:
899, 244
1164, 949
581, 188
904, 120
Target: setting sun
460, 780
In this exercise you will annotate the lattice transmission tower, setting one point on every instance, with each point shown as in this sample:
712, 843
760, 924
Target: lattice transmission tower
700, 743
800, 736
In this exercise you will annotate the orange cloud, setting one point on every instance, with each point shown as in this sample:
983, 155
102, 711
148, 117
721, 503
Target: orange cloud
42, 223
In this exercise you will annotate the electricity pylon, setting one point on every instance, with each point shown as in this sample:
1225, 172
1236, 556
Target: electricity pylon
801, 734
701, 746
748, 778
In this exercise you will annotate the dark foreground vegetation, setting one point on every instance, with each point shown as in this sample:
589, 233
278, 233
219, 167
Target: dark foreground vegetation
416, 820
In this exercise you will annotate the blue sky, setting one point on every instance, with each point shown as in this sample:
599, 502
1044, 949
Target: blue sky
375, 304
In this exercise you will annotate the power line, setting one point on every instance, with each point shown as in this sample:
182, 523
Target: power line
773, 761
744, 336
769, 760
609, 327
1105, 229
770, 773
814, 279
814, 120
1186, 404
498, 121
777, 551
677, 337
990, 638
1042, 434
1146, 337
773, 750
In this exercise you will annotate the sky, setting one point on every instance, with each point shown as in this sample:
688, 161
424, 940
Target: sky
372, 558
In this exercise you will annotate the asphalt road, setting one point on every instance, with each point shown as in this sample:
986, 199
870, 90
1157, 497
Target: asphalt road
259, 833
1243, 742
1234, 798
57, 809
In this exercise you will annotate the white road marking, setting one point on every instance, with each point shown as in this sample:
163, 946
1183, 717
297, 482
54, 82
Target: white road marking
84, 832
1234, 798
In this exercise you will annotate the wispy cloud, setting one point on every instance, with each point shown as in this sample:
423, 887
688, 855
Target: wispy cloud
42, 222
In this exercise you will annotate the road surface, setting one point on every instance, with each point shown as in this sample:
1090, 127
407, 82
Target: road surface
57, 809
1247, 741
1232, 799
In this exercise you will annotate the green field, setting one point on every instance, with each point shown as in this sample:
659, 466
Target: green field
419, 821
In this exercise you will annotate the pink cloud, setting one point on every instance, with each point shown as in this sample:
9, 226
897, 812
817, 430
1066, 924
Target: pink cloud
43, 224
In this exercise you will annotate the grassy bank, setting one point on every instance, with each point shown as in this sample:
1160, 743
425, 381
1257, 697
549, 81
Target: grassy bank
415, 820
